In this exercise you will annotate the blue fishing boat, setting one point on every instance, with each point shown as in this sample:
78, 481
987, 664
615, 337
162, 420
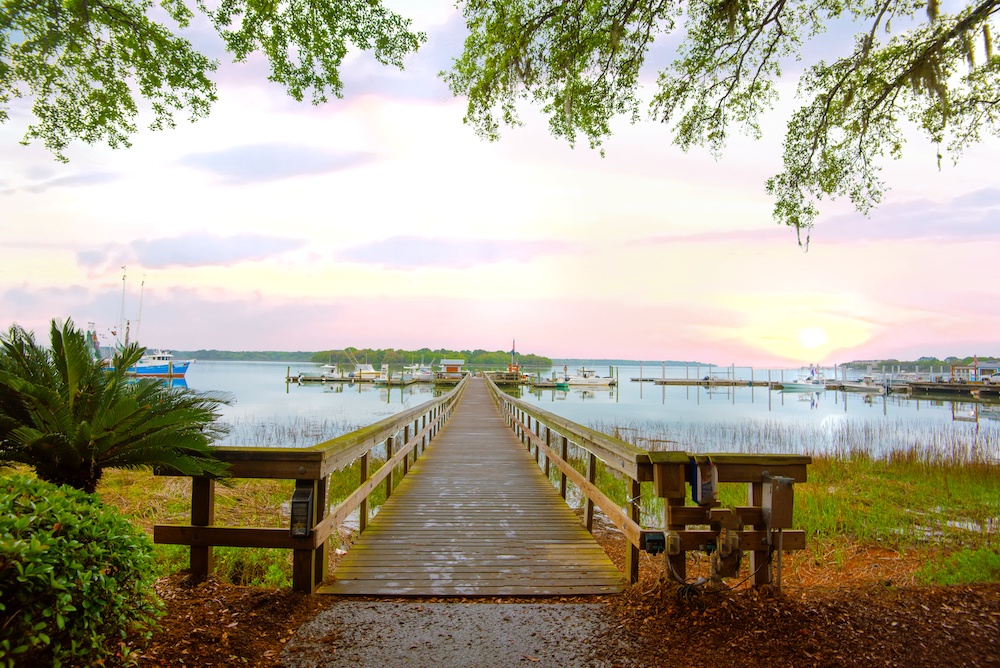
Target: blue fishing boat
160, 364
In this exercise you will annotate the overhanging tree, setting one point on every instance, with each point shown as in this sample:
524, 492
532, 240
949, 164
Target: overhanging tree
84, 63
581, 61
87, 65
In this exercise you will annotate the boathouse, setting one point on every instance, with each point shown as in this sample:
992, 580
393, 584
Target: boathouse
451, 369
973, 372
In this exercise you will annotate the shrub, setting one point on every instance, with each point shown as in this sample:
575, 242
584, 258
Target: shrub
75, 577
68, 416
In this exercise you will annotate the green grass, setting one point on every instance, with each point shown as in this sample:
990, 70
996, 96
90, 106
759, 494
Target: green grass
881, 485
963, 566
936, 500
147, 500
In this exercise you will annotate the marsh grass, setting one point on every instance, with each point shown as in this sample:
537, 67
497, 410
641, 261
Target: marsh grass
931, 493
147, 500
930, 490
294, 432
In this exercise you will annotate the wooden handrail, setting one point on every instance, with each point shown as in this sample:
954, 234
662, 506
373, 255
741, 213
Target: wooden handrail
320, 460
615, 453
309, 467
671, 472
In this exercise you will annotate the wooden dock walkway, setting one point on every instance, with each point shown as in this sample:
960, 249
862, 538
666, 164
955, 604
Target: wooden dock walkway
475, 516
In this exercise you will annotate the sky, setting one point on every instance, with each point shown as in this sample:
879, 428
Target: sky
381, 220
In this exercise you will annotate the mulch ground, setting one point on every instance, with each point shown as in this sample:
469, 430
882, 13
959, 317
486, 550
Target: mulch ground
866, 611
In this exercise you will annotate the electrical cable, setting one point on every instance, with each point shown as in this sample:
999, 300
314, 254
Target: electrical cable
770, 555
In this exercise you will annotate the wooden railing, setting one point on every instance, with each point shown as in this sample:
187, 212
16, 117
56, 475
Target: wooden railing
312, 520
761, 528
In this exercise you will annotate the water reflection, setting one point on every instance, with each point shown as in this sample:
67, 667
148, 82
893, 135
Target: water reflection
711, 416
697, 401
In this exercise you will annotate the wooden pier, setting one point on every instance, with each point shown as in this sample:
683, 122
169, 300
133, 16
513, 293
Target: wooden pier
475, 516
474, 512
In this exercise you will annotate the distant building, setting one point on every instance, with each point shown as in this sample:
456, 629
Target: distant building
450, 369
973, 372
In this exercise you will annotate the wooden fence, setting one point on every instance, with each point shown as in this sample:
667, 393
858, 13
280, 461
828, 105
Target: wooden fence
762, 527
312, 519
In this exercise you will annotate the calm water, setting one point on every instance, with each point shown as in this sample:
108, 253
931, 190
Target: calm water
267, 412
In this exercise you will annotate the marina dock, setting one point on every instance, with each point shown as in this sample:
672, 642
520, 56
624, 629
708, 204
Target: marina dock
475, 517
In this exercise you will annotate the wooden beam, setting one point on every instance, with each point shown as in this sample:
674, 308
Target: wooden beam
751, 540
202, 557
180, 534
632, 551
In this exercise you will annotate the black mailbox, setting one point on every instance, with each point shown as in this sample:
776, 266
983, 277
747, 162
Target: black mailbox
302, 512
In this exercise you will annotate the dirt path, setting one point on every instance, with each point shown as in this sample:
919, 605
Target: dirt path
456, 635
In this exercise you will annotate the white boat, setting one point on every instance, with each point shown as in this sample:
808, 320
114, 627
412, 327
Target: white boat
383, 375
160, 364
327, 372
558, 381
364, 371
423, 373
803, 385
588, 377
814, 382
867, 384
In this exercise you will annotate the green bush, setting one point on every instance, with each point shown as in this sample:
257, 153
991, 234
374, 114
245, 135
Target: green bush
75, 577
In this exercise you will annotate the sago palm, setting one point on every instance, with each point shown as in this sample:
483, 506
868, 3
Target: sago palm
69, 416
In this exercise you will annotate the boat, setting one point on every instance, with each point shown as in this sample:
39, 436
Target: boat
803, 385
558, 381
383, 375
589, 377
513, 375
328, 372
160, 364
364, 371
423, 373
867, 384
814, 382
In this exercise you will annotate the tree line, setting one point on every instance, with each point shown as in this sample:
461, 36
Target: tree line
924, 363
377, 357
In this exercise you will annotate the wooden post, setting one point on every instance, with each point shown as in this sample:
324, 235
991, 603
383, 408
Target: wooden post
406, 442
548, 444
304, 567
591, 478
564, 453
423, 441
537, 432
202, 515
416, 446
758, 558
388, 478
323, 551
631, 551
676, 564
363, 508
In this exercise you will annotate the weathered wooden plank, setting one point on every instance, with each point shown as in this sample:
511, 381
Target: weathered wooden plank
171, 534
411, 588
475, 516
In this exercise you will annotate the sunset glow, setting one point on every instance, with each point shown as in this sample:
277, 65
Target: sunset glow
381, 220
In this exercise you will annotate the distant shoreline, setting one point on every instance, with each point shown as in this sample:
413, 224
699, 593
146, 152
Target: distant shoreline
307, 357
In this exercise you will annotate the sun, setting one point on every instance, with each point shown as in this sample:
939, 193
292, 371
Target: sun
812, 337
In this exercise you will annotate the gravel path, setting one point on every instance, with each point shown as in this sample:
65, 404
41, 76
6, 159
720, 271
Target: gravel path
454, 635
